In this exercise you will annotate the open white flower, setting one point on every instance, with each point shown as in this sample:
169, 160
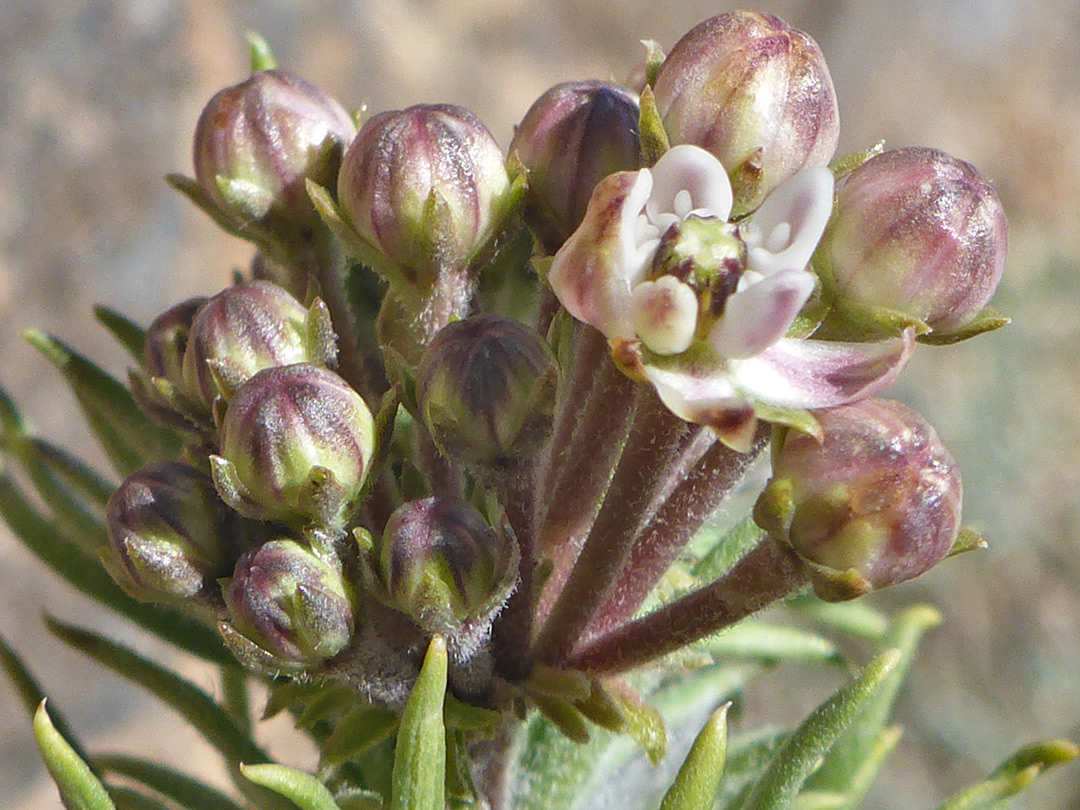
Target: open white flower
700, 306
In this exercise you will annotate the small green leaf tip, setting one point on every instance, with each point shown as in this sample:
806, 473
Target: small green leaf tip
698, 780
79, 788
302, 789
419, 779
1013, 776
262, 58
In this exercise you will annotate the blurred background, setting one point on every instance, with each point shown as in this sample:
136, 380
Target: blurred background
98, 100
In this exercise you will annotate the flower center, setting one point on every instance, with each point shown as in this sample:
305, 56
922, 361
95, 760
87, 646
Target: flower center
708, 255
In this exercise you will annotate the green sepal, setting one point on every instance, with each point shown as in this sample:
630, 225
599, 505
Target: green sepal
259, 53
1013, 776
798, 418
179, 787
564, 715
358, 732
967, 540
31, 696
654, 60
129, 334
193, 191
849, 162
698, 780
460, 790
643, 722
419, 777
603, 709
193, 704
247, 199
384, 422
302, 789
986, 321
850, 321
128, 436
461, 716
79, 788
83, 571
654, 138
802, 751
253, 657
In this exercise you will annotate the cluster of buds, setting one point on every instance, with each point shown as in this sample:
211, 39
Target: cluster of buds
491, 397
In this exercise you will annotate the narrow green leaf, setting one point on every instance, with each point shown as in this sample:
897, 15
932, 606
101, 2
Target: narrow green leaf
359, 800
127, 798
302, 789
131, 336
643, 723
360, 730
853, 618
698, 780
466, 717
802, 751
460, 790
331, 700
863, 778
819, 800
193, 704
564, 716
127, 435
846, 757
64, 557
419, 779
747, 758
87, 481
31, 695
1013, 776
770, 643
79, 788
179, 787
726, 549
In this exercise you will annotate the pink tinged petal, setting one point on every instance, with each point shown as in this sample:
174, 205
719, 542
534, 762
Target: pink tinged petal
665, 314
707, 399
821, 374
689, 169
758, 316
594, 271
789, 224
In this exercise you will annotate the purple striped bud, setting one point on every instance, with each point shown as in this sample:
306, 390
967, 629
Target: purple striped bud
258, 142
160, 388
426, 186
250, 327
171, 536
915, 232
487, 391
296, 442
877, 502
571, 138
442, 564
289, 603
754, 92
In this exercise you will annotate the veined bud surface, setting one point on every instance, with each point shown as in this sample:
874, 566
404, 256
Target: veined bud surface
247, 328
754, 92
876, 503
258, 142
573, 136
919, 232
296, 442
290, 603
442, 564
426, 186
170, 534
167, 339
487, 391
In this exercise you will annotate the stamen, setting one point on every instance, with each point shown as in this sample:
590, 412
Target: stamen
683, 205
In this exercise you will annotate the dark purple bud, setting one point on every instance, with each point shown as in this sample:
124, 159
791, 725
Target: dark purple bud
877, 502
167, 339
442, 564
291, 604
487, 391
296, 442
258, 142
754, 92
426, 186
572, 137
170, 534
250, 327
917, 232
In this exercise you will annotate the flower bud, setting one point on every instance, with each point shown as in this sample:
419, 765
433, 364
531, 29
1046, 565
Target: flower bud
426, 186
159, 387
249, 327
754, 92
572, 137
291, 604
258, 142
877, 502
916, 232
442, 565
487, 391
296, 442
170, 534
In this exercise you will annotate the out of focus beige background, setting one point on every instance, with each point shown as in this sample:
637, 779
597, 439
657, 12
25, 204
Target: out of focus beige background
98, 100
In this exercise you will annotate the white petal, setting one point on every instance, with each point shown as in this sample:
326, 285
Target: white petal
594, 271
709, 399
758, 316
821, 374
785, 230
693, 170
665, 314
